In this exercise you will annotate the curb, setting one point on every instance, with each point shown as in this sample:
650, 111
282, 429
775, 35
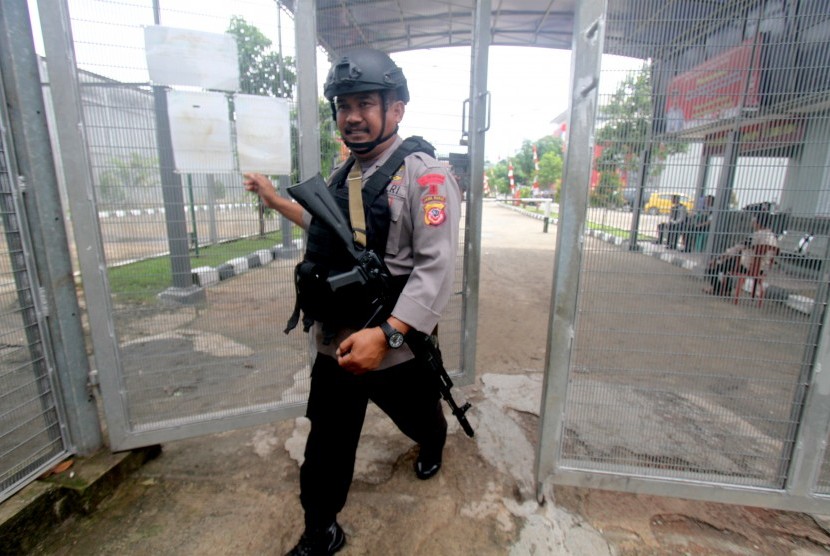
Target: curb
123, 213
38, 508
204, 276
798, 303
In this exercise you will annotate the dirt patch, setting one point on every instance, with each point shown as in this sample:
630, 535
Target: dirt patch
236, 492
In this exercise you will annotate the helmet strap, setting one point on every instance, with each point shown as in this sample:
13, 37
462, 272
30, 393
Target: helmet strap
363, 148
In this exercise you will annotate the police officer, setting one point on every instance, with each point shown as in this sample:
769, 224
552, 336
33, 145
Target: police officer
368, 94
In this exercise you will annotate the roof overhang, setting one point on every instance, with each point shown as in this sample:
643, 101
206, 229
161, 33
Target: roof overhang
642, 28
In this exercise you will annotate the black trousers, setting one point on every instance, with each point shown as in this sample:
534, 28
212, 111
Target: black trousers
671, 231
337, 407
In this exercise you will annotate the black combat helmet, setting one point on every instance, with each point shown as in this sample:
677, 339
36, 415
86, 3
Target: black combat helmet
360, 71
364, 70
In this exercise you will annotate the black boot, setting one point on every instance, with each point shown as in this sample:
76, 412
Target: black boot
320, 541
428, 462
427, 466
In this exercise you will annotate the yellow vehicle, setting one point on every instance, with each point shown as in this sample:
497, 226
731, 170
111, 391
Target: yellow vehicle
660, 203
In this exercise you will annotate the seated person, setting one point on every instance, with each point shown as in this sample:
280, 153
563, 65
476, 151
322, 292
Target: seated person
738, 258
671, 230
698, 224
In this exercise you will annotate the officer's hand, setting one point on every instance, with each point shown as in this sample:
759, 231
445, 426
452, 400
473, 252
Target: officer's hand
362, 351
262, 186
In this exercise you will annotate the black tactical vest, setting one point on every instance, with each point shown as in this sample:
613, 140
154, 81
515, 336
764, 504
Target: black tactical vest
326, 256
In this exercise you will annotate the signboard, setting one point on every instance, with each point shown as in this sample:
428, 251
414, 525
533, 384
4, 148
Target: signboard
263, 134
201, 132
715, 90
763, 136
191, 58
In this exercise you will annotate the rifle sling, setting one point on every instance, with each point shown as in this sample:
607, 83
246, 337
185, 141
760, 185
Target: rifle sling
357, 215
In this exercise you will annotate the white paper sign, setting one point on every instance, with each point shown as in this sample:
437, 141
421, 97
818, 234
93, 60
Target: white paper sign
191, 58
263, 134
201, 132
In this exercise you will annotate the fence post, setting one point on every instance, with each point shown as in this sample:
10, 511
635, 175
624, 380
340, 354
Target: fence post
588, 42
46, 217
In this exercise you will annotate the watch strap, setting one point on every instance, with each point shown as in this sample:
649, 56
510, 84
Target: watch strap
389, 331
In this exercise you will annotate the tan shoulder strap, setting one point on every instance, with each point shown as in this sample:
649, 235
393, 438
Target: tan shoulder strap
356, 213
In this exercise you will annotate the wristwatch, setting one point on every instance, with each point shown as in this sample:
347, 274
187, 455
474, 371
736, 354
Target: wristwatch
394, 339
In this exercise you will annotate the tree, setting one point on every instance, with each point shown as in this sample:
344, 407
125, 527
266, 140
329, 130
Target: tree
259, 66
625, 122
524, 168
550, 169
130, 174
259, 74
497, 178
329, 143
549, 152
607, 192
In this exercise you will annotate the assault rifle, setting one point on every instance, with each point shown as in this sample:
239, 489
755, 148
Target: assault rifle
314, 196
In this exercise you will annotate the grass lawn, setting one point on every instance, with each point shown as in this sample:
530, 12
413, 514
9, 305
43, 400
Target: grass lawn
141, 281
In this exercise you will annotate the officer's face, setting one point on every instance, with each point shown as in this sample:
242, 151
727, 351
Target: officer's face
361, 118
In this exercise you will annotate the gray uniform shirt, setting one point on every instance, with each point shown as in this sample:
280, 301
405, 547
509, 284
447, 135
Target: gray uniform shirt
425, 211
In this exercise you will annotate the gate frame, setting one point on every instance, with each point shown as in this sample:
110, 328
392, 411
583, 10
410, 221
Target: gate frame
58, 42
809, 440
46, 291
54, 284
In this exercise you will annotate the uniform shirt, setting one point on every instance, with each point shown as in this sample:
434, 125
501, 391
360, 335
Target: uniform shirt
425, 211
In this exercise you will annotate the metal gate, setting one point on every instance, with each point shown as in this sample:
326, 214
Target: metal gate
671, 372
188, 284
32, 437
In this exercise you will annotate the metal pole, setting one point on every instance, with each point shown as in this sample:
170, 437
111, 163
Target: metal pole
195, 234
548, 204
588, 41
182, 289
213, 234
35, 163
478, 125
279, 49
307, 114
286, 227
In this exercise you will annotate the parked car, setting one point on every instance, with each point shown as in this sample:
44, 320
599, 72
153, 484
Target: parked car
630, 196
660, 203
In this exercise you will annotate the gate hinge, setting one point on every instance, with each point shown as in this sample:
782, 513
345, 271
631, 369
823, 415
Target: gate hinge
93, 377
21, 183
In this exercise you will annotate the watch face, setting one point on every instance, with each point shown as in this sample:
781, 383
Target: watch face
396, 340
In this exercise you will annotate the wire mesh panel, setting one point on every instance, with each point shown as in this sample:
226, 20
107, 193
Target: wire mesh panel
703, 282
31, 437
200, 275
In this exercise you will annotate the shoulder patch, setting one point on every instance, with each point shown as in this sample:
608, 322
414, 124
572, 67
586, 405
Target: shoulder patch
434, 210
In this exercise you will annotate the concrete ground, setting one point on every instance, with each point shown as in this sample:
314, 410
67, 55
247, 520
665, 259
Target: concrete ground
236, 492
